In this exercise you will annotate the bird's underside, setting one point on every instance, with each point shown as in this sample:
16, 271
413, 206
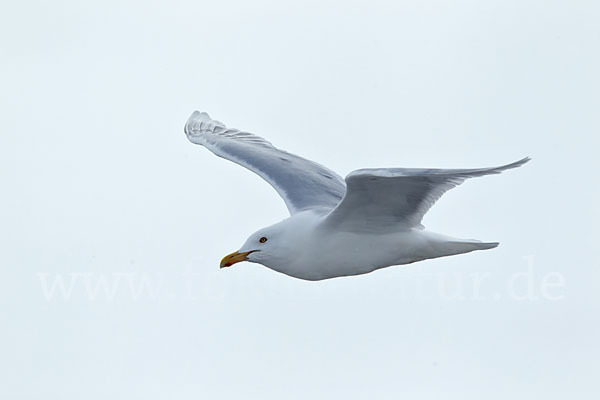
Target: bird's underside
330, 253
370, 220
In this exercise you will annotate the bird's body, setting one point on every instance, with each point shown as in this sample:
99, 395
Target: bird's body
338, 228
313, 251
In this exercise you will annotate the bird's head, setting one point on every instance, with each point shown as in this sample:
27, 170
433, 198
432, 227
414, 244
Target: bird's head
265, 246
280, 246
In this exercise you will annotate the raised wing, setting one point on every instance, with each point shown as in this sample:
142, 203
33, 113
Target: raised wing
302, 184
377, 199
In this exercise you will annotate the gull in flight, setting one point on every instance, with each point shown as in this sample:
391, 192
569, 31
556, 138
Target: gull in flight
338, 227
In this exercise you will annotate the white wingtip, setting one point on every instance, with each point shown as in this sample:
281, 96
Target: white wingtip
512, 165
518, 163
199, 123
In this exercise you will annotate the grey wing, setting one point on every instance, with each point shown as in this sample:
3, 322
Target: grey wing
379, 199
303, 184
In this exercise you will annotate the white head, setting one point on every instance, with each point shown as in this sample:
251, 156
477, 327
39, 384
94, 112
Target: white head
268, 246
280, 246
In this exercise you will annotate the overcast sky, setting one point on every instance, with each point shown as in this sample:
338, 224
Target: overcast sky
100, 185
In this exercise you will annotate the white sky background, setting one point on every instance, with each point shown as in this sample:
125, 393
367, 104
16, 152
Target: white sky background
98, 179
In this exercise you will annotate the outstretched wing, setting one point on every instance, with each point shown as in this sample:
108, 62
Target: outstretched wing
379, 199
303, 184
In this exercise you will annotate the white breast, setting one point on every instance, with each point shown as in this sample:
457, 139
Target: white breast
320, 253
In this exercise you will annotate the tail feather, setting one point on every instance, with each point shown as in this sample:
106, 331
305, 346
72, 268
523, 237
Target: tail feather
485, 245
466, 246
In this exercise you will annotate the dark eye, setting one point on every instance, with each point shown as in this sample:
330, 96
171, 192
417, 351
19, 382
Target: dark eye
262, 239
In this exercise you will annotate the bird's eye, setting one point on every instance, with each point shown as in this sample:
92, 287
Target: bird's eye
262, 239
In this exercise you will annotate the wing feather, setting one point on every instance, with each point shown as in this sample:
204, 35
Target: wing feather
303, 184
377, 199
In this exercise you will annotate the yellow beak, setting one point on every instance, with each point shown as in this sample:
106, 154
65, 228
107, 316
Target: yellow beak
233, 258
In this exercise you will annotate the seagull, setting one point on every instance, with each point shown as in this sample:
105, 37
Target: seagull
338, 227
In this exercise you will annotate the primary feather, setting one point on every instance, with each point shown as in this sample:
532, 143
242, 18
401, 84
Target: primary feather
302, 184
